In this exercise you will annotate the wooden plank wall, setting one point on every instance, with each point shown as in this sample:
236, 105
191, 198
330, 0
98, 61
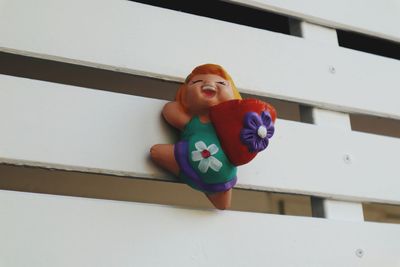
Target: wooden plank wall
75, 132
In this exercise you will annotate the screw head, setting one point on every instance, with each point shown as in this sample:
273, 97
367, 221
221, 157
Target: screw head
332, 69
360, 253
347, 158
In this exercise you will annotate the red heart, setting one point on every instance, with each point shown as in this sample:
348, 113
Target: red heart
228, 118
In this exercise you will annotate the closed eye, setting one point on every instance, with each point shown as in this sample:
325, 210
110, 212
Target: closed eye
196, 81
223, 83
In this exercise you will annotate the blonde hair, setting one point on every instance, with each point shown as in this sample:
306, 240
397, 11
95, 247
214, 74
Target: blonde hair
205, 69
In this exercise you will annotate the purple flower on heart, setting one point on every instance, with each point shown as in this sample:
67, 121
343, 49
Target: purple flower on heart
257, 131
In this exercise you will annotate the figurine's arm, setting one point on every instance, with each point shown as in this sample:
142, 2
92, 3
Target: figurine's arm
175, 115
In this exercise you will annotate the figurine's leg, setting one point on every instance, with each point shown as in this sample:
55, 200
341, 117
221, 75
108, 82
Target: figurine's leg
163, 155
221, 200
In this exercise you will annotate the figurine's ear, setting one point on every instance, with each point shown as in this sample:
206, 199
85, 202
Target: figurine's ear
180, 96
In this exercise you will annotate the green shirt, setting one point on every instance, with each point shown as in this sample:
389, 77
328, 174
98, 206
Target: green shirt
208, 145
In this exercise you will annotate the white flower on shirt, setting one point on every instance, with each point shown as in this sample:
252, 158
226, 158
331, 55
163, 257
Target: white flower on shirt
205, 154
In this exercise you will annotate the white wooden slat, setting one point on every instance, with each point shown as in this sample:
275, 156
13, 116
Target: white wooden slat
314, 32
377, 18
59, 126
79, 129
345, 211
43, 230
141, 39
331, 119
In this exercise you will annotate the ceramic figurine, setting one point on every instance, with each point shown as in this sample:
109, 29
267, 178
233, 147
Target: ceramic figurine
219, 131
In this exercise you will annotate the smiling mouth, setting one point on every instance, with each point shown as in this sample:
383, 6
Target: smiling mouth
209, 91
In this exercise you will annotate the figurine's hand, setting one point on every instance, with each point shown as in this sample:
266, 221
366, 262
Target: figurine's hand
175, 115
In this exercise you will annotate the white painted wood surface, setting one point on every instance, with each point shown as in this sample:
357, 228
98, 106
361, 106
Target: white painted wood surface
329, 208
74, 128
44, 230
344, 211
377, 18
330, 119
310, 31
141, 39
59, 126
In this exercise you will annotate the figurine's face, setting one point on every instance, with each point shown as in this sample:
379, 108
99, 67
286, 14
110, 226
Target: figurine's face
205, 91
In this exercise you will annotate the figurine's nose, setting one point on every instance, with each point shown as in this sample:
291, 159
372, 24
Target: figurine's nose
208, 84
211, 83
